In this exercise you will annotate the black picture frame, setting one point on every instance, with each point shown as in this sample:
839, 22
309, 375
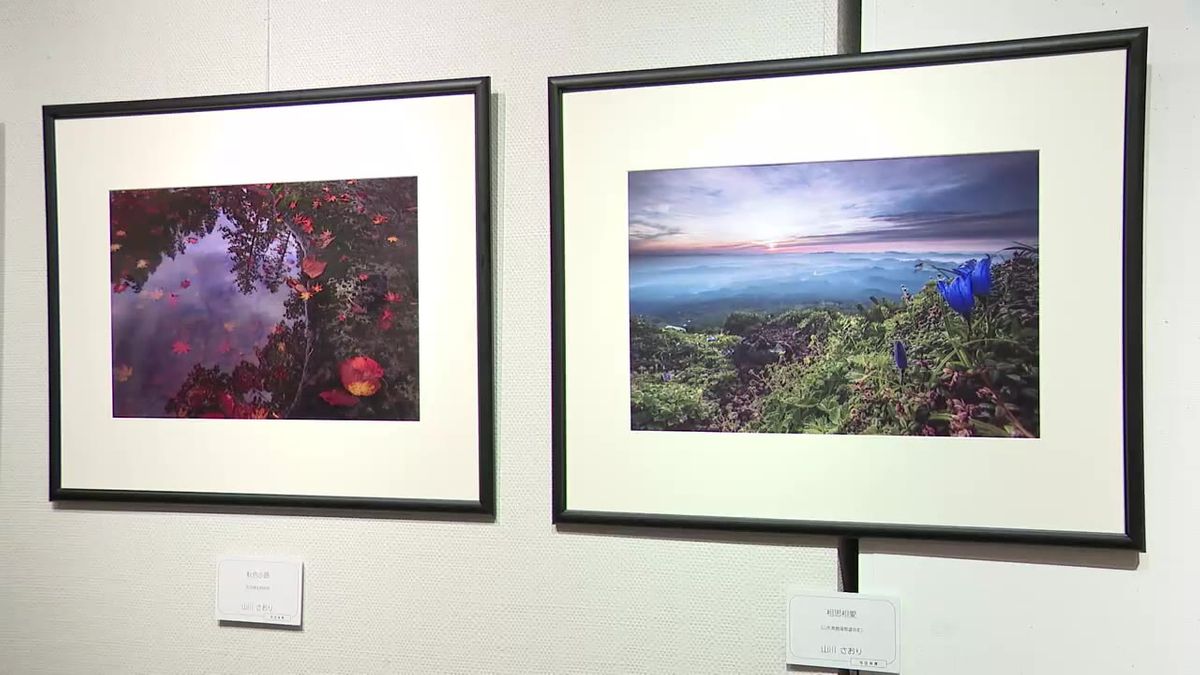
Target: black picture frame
1132, 41
477, 87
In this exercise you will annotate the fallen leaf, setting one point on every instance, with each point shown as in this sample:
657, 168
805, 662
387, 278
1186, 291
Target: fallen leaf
393, 239
379, 219
393, 296
185, 283
119, 233
120, 287
123, 372
361, 375
313, 267
142, 263
156, 294
113, 248
193, 240
229, 326
338, 398
180, 347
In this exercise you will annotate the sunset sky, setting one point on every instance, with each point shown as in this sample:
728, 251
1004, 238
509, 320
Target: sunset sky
950, 203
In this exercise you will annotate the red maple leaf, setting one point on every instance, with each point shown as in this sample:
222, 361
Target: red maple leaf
292, 204
338, 398
379, 219
331, 198
313, 267
363, 277
185, 283
180, 347
316, 203
392, 296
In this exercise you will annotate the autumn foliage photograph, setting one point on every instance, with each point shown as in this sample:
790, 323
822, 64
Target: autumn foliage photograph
266, 301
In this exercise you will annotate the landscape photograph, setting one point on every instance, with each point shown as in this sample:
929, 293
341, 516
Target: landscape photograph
892, 296
266, 301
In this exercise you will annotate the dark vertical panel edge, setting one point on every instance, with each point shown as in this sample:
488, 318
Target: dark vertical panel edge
558, 403
483, 292
849, 26
1135, 134
52, 302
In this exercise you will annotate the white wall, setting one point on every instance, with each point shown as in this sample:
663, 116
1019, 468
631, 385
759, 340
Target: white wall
989, 609
101, 590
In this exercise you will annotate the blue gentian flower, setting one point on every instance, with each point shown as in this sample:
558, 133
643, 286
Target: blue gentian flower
980, 273
981, 277
900, 356
957, 293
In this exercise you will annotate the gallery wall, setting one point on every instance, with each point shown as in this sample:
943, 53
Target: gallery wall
131, 590
1001, 610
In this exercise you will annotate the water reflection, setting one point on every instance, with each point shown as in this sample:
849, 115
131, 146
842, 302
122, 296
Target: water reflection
188, 312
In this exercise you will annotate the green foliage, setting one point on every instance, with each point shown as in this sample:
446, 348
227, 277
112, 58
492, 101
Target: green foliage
827, 370
743, 323
675, 405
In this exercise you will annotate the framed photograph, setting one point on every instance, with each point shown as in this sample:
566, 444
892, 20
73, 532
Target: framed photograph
273, 299
894, 294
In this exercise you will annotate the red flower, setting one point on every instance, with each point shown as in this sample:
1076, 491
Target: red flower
180, 347
361, 375
379, 219
185, 283
338, 398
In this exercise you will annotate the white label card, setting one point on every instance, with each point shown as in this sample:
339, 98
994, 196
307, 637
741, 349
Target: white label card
843, 630
260, 590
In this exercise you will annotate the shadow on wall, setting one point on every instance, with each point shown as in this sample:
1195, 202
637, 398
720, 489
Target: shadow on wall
1038, 555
